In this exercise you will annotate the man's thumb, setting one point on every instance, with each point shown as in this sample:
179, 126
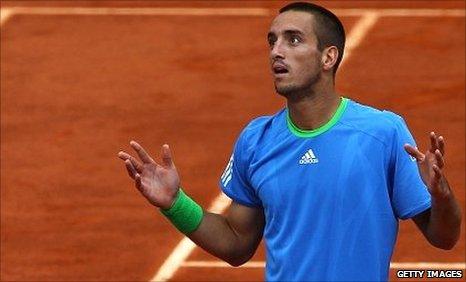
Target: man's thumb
414, 152
167, 156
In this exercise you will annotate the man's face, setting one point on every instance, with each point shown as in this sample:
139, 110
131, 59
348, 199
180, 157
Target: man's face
294, 57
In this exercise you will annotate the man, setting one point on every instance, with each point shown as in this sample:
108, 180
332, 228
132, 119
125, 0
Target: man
325, 180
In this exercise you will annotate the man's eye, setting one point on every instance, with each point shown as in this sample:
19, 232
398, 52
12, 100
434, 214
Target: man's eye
294, 40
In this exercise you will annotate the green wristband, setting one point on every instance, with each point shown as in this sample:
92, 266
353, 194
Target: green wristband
185, 213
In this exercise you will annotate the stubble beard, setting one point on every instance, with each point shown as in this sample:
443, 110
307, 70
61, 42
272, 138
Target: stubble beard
297, 92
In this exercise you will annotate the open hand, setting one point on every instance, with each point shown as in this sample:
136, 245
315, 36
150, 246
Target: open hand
159, 183
431, 165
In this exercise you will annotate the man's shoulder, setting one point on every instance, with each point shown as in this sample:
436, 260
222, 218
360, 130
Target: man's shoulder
261, 123
263, 128
370, 114
363, 114
381, 124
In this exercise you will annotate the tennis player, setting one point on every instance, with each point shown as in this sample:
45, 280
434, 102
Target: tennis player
325, 180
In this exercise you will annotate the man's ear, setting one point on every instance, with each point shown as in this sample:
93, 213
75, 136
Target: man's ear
329, 57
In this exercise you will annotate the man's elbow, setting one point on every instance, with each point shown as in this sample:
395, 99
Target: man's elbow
238, 261
446, 240
446, 243
444, 246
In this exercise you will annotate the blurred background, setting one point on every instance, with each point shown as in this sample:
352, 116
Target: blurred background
78, 84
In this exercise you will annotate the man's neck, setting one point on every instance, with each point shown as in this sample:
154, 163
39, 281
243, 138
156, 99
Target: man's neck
315, 110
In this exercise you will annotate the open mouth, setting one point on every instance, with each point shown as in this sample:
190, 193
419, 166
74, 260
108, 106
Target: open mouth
279, 70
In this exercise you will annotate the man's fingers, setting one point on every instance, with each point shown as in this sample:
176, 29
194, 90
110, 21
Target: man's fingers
167, 156
441, 145
437, 170
136, 164
137, 178
436, 179
131, 170
433, 142
143, 155
414, 152
439, 159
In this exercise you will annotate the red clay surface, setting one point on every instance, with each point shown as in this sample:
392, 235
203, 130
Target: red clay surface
76, 89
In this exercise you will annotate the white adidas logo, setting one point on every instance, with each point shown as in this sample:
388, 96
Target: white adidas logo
228, 173
309, 158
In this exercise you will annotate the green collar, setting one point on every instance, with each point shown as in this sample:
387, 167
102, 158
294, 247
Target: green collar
315, 132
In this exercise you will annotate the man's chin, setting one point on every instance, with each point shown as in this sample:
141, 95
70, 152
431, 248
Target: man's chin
285, 90
293, 92
296, 91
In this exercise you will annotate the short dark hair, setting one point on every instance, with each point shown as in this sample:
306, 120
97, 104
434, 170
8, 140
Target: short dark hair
328, 29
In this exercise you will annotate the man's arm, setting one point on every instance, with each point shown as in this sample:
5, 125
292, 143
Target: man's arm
233, 238
442, 222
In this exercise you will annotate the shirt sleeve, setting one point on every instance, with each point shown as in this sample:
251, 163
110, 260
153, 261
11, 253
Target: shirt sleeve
410, 194
235, 181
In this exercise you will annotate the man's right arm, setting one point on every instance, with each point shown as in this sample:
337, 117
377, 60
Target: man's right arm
232, 237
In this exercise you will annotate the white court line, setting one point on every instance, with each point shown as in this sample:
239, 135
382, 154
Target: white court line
393, 265
402, 12
228, 11
185, 247
358, 32
5, 14
143, 11
428, 265
221, 264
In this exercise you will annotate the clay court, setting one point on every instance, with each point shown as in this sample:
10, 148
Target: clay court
79, 80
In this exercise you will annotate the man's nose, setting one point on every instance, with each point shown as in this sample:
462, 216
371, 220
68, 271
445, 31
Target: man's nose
277, 50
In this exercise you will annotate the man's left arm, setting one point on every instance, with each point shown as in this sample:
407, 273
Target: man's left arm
441, 223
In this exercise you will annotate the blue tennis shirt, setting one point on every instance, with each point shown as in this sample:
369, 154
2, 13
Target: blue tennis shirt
332, 197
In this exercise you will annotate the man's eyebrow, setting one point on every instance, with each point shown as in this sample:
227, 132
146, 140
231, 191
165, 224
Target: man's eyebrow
293, 32
287, 32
